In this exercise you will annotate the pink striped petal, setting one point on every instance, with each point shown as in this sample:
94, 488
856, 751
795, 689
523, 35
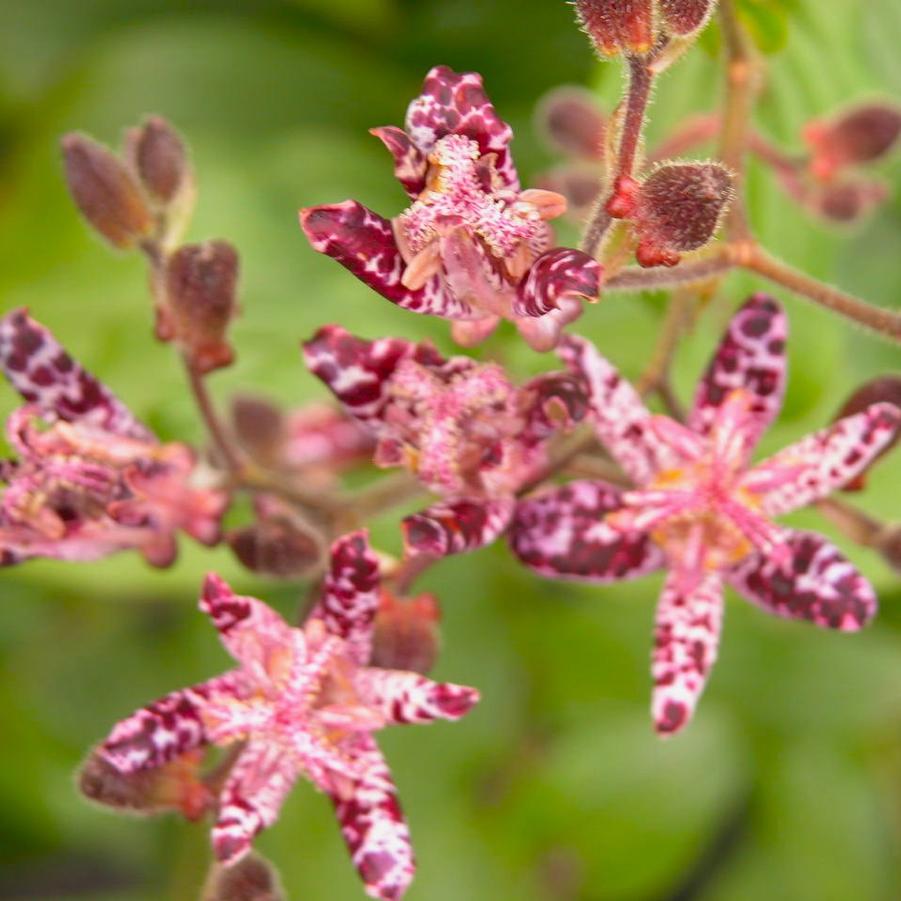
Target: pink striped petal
562, 534
686, 638
405, 697
815, 583
622, 422
373, 825
252, 632
556, 275
363, 242
251, 798
824, 461
456, 103
456, 527
44, 374
169, 727
350, 595
750, 357
410, 164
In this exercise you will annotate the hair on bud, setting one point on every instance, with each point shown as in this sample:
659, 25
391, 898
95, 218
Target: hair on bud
860, 135
617, 26
276, 546
201, 282
158, 156
252, 878
105, 192
686, 17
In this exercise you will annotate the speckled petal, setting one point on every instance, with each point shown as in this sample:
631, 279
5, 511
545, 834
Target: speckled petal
358, 371
750, 357
556, 401
824, 461
562, 534
363, 242
409, 163
557, 274
252, 632
169, 727
405, 697
816, 583
456, 103
622, 422
251, 798
373, 825
44, 374
458, 526
686, 638
350, 594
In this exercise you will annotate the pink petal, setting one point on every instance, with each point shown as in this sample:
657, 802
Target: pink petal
686, 638
409, 163
252, 632
350, 594
816, 583
363, 242
44, 374
373, 826
456, 527
825, 461
751, 356
405, 697
557, 274
358, 371
251, 798
169, 727
556, 400
562, 534
622, 422
453, 103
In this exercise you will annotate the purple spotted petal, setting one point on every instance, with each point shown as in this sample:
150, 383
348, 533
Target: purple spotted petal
373, 825
556, 400
44, 374
410, 164
686, 638
562, 534
251, 798
453, 103
350, 595
358, 371
405, 697
457, 527
556, 275
751, 357
817, 584
363, 242
622, 422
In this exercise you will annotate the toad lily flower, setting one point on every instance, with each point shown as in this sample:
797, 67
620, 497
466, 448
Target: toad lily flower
702, 511
302, 701
460, 426
94, 480
473, 247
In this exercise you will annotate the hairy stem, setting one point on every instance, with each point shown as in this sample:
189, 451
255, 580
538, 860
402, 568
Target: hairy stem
661, 278
230, 457
656, 374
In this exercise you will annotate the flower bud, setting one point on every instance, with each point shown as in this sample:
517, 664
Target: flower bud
175, 786
406, 633
252, 878
677, 209
157, 154
201, 281
861, 135
105, 191
276, 546
259, 426
616, 26
847, 201
883, 388
569, 120
686, 17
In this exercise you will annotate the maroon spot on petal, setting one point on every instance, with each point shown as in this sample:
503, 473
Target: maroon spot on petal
674, 716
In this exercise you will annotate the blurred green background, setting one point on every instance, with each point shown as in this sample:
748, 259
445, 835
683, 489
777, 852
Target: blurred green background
788, 783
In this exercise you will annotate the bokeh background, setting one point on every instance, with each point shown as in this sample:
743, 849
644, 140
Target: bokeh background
788, 783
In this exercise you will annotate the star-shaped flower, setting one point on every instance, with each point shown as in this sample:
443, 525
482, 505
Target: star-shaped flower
92, 479
701, 510
462, 427
472, 247
302, 701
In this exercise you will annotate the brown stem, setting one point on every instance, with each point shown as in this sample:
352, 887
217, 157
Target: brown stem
860, 527
886, 323
695, 131
389, 491
659, 278
210, 417
560, 455
591, 466
409, 570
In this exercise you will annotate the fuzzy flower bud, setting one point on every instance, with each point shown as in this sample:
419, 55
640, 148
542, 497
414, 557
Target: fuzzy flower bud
158, 155
570, 121
105, 192
252, 878
201, 282
686, 17
277, 546
616, 26
406, 633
